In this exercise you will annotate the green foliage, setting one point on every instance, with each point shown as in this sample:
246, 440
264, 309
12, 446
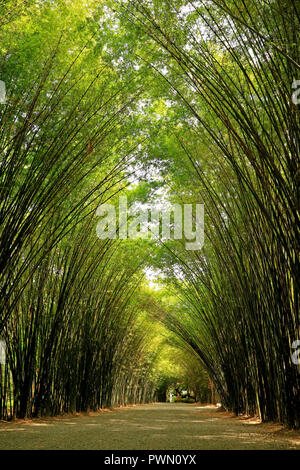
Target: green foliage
174, 101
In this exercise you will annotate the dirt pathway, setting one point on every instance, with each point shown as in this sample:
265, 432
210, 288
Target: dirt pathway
147, 427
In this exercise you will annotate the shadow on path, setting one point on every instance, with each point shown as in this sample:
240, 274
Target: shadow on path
147, 427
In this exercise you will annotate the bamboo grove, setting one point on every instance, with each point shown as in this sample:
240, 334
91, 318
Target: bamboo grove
237, 61
200, 94
66, 307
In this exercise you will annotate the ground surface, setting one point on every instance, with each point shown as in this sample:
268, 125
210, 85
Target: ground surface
147, 427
